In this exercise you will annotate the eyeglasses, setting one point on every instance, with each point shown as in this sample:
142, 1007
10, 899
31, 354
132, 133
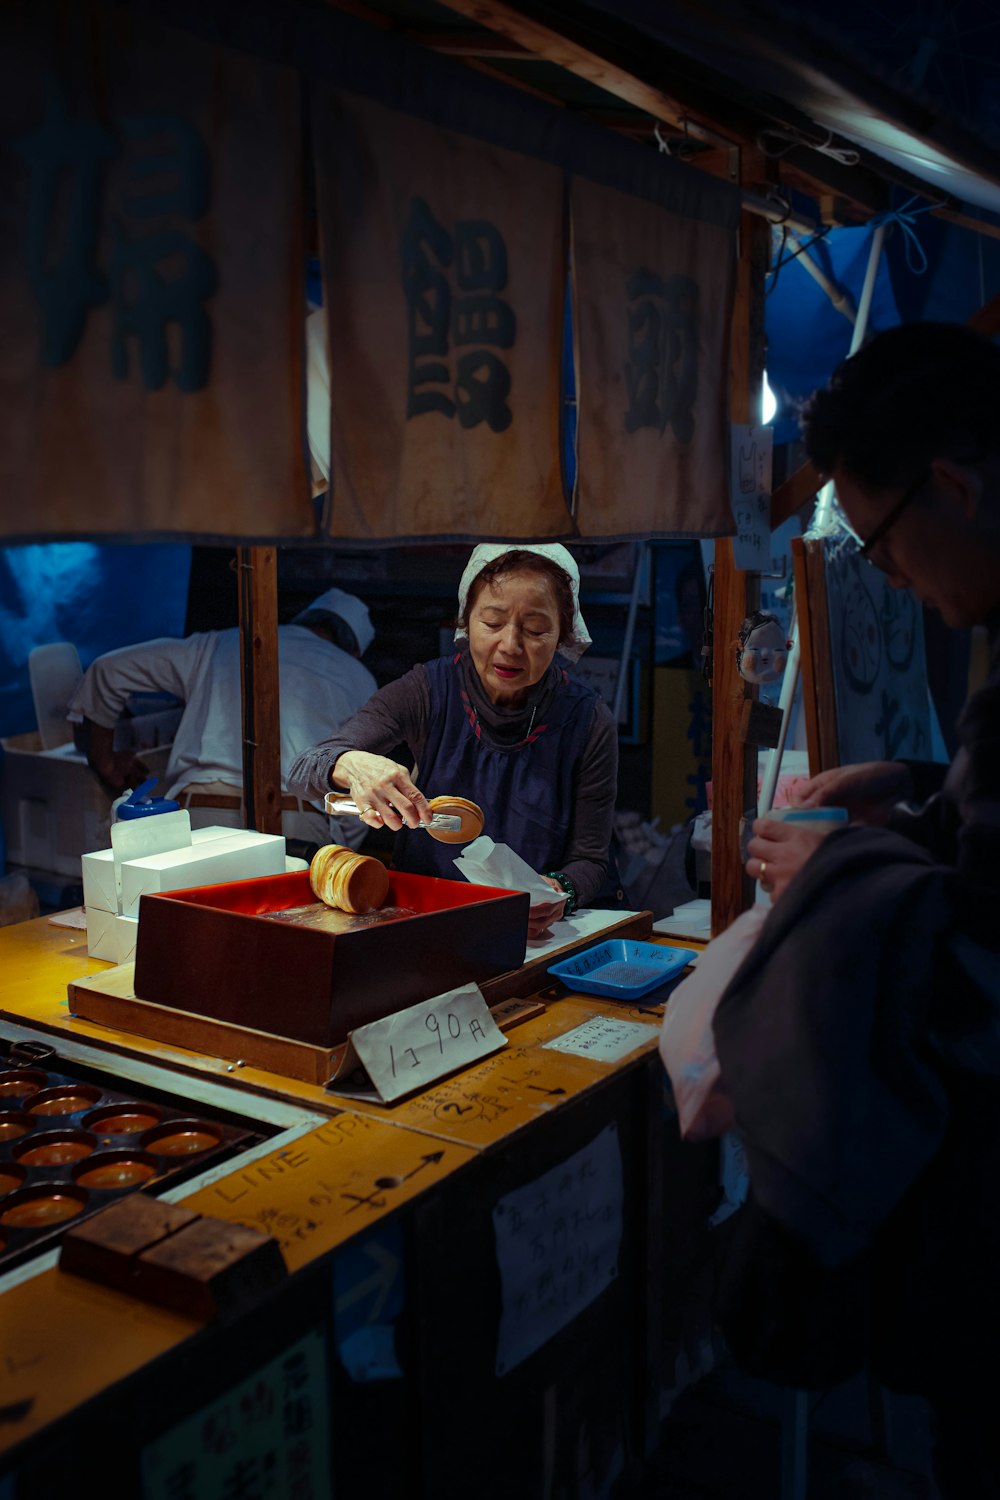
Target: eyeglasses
867, 545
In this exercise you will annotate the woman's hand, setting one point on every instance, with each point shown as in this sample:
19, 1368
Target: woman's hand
541, 917
869, 791
778, 851
382, 789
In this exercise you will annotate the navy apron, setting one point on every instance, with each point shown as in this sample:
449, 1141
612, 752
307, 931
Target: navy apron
524, 789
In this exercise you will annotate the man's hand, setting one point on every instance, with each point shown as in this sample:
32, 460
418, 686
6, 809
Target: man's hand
116, 770
869, 791
778, 851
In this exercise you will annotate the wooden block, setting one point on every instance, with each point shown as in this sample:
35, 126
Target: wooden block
760, 723
510, 1013
109, 999
210, 1268
105, 1245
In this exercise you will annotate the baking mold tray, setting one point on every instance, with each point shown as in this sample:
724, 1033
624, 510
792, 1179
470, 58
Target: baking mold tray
71, 1144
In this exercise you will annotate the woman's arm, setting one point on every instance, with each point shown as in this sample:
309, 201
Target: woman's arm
398, 714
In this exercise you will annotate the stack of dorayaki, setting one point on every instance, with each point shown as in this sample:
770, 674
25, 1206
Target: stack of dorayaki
349, 881
457, 807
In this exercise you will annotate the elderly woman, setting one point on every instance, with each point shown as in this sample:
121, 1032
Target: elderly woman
499, 721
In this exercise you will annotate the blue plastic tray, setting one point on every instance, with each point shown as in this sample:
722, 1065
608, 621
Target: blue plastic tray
622, 969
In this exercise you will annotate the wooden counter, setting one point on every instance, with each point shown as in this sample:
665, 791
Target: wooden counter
418, 1189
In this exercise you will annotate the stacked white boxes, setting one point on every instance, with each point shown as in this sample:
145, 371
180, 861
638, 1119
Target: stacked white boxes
163, 853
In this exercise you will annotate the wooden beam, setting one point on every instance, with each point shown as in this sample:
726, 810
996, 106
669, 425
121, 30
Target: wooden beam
794, 492
480, 65
737, 594
258, 594
552, 46
819, 706
452, 42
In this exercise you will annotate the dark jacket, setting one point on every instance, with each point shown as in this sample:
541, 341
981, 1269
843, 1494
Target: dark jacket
860, 1044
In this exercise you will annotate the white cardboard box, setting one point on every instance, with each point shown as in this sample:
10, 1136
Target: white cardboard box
99, 885
52, 806
100, 888
110, 936
242, 856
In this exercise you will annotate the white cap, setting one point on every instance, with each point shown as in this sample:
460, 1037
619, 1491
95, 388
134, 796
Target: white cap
486, 552
353, 611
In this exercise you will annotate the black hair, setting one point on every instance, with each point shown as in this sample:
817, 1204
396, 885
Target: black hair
914, 393
521, 560
334, 627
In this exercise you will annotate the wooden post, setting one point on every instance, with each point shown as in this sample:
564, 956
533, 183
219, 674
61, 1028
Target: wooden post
258, 574
737, 594
819, 705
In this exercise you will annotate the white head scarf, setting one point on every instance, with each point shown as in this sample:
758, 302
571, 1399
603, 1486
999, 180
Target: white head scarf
486, 552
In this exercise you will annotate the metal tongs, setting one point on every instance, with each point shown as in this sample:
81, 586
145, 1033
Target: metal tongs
444, 821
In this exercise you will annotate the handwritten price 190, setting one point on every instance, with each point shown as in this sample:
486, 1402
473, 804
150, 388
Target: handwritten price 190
452, 1031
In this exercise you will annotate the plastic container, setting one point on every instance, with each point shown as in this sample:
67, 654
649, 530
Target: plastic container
147, 809
138, 804
622, 969
822, 819
828, 815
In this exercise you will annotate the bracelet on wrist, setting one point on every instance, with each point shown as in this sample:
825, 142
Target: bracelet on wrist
572, 899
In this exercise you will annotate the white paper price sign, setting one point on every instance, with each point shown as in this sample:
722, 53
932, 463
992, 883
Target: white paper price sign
414, 1048
750, 495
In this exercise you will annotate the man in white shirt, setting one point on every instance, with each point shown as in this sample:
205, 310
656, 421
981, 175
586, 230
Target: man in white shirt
322, 684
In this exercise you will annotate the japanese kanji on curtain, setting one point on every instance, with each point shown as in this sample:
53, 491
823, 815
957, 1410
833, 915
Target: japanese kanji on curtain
151, 282
652, 300
444, 270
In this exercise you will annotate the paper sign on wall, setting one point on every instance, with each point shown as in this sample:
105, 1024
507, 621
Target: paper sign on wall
413, 1048
750, 493
557, 1241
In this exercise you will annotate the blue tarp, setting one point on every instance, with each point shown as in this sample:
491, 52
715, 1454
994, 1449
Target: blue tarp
806, 335
98, 597
929, 271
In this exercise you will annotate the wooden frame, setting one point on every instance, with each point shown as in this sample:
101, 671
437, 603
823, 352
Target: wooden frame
818, 702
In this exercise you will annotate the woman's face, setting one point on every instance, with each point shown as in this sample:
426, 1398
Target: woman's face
513, 634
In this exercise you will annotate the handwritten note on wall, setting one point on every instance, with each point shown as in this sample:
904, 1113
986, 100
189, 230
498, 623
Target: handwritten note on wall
266, 1436
558, 1241
750, 495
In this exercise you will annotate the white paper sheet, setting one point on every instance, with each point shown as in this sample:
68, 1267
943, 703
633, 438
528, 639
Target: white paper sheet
581, 924
604, 1038
484, 862
558, 1241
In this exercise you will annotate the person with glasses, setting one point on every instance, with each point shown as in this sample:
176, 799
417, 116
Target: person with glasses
909, 431
859, 1041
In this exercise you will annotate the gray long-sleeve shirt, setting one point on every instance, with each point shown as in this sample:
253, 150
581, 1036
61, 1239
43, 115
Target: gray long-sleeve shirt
399, 715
